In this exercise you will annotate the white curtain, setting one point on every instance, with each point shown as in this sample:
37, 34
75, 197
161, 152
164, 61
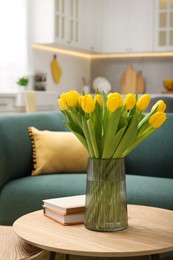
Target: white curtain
13, 43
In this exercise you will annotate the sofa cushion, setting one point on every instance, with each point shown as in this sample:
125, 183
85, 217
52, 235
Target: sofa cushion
57, 152
24, 195
150, 191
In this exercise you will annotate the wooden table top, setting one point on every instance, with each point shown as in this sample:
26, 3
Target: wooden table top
150, 231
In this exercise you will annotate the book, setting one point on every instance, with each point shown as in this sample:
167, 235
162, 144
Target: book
69, 219
66, 205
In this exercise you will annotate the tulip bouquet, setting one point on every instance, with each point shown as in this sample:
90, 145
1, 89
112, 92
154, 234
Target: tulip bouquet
109, 127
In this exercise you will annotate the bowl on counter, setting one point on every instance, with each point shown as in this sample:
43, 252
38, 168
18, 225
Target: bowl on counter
168, 84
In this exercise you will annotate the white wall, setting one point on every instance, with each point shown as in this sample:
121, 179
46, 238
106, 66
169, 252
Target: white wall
73, 70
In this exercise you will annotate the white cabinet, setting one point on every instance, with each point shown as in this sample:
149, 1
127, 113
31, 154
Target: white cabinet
6, 104
15, 102
128, 26
163, 40
92, 25
45, 101
68, 22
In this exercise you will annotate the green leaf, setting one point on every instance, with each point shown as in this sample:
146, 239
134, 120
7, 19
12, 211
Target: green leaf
138, 141
73, 125
92, 134
110, 147
87, 137
128, 137
110, 129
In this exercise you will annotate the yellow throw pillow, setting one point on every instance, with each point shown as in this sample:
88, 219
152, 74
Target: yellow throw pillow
55, 152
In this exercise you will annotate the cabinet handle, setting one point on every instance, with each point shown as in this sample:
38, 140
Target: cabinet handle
3, 104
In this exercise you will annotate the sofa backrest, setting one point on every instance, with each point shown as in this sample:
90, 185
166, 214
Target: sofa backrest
154, 156
15, 143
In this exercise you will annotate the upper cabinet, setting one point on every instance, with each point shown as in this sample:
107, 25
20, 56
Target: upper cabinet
104, 26
92, 25
68, 22
128, 26
163, 40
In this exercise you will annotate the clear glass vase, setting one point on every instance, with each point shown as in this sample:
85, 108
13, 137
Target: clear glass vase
106, 203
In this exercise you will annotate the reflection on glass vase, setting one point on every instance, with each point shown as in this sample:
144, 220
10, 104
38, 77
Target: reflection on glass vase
106, 203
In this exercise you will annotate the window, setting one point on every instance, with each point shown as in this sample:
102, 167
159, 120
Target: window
13, 43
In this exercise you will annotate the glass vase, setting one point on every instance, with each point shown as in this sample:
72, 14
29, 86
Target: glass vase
106, 203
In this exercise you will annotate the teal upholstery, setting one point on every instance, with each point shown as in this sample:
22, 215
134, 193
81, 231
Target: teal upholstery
149, 168
153, 153
24, 195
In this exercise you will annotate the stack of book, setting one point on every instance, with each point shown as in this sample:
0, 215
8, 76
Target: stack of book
66, 210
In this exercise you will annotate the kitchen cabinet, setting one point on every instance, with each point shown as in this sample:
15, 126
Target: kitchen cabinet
104, 26
55, 21
6, 103
15, 102
163, 38
128, 26
68, 22
92, 25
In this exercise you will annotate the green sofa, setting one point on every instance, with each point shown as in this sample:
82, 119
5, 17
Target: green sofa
149, 168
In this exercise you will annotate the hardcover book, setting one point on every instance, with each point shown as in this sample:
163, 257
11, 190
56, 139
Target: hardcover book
66, 205
69, 219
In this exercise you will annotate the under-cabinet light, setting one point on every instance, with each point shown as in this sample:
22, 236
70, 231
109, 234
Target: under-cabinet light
103, 56
62, 51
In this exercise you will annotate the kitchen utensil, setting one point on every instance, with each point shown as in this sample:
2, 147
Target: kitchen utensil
168, 84
102, 84
128, 80
140, 83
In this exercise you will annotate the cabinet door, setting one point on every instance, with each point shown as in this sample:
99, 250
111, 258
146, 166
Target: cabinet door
140, 26
128, 25
67, 22
92, 25
115, 23
96, 36
163, 40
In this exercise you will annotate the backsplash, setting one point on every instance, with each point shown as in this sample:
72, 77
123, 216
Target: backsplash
154, 71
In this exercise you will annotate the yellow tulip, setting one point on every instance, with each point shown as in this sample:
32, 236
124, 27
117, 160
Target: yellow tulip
157, 119
80, 100
160, 105
63, 103
114, 101
98, 98
68, 99
87, 103
72, 98
143, 102
130, 101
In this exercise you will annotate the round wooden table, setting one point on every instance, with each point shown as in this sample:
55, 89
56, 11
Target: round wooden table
150, 232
